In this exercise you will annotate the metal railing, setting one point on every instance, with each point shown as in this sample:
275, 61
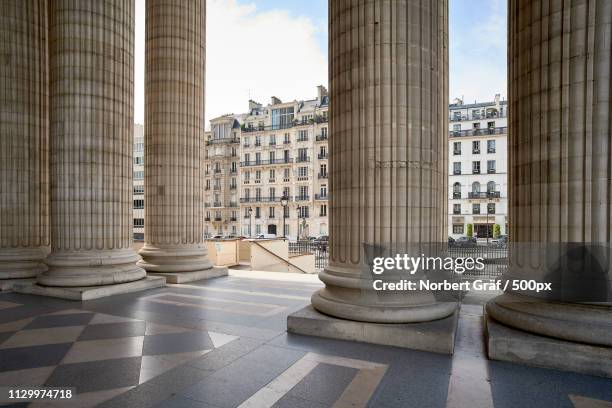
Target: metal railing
484, 194
478, 132
223, 140
319, 249
495, 259
266, 162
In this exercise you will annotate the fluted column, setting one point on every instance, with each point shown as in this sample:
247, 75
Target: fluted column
91, 64
388, 149
174, 122
24, 135
560, 150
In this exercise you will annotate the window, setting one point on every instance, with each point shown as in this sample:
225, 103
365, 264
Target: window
247, 158
303, 192
457, 228
247, 176
286, 175
303, 211
257, 140
302, 172
323, 211
272, 140
476, 187
457, 148
323, 190
287, 139
247, 194
476, 147
139, 175
457, 168
271, 155
286, 192
490, 166
323, 152
490, 146
475, 208
456, 208
234, 167
490, 187
257, 176
138, 189
491, 208
272, 175
271, 212
491, 125
258, 158
324, 132
257, 212
476, 167
302, 136
139, 204
272, 192
457, 190
286, 211
258, 229
282, 117
286, 229
138, 160
457, 127
258, 194
303, 154
138, 222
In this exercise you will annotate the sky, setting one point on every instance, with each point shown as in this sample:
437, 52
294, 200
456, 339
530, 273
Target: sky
262, 48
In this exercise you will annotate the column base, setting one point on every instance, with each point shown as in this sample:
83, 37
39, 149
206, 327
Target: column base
22, 263
436, 336
91, 268
6, 285
516, 346
184, 277
90, 292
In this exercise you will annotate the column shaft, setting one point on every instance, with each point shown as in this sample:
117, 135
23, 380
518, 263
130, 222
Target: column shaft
24, 132
91, 64
388, 81
174, 124
560, 177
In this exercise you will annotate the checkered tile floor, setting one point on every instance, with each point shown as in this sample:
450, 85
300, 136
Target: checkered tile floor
100, 355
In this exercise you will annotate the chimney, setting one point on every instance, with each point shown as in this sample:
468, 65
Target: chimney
321, 92
276, 101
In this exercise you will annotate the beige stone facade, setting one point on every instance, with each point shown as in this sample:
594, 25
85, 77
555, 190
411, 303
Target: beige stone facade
24, 132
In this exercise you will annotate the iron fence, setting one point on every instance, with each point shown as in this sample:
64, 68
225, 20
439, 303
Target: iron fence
319, 249
495, 259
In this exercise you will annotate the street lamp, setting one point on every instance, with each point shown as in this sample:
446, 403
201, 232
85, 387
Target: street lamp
284, 202
250, 210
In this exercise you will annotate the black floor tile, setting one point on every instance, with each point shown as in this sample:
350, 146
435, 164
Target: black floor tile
176, 343
77, 319
97, 375
21, 358
113, 330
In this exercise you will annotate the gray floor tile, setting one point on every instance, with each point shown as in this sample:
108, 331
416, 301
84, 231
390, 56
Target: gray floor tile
78, 319
97, 375
294, 402
182, 402
176, 343
113, 330
323, 385
30, 357
4, 336
221, 357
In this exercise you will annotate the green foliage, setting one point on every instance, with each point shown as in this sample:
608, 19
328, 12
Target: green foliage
470, 230
496, 230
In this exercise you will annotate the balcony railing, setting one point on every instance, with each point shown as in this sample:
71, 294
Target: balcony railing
456, 172
456, 195
302, 198
266, 162
322, 196
320, 138
217, 204
475, 171
475, 151
223, 140
233, 219
218, 219
478, 132
322, 156
303, 159
456, 152
323, 175
303, 139
233, 186
270, 199
484, 194
489, 150
206, 218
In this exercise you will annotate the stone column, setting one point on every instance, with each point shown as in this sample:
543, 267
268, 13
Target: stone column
560, 183
91, 64
174, 122
388, 149
24, 132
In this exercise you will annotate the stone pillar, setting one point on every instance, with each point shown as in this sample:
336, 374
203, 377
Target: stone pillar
388, 177
24, 132
560, 187
91, 87
174, 122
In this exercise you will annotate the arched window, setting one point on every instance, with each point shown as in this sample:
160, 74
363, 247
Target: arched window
490, 186
456, 188
476, 187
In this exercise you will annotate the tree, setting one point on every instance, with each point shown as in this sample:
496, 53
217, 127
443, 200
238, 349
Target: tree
470, 230
496, 230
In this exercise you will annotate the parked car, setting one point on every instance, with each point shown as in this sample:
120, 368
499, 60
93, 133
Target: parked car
217, 237
501, 241
322, 241
451, 241
465, 242
266, 236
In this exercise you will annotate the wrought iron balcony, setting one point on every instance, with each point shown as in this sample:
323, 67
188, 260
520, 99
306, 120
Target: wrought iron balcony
484, 194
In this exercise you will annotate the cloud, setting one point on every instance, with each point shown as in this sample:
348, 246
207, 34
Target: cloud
255, 53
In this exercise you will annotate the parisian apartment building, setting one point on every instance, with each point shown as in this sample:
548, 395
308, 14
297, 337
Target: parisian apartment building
266, 170
478, 172
138, 182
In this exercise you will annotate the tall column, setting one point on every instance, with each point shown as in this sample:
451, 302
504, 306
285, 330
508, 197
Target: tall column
174, 122
388, 149
560, 150
91, 64
24, 133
